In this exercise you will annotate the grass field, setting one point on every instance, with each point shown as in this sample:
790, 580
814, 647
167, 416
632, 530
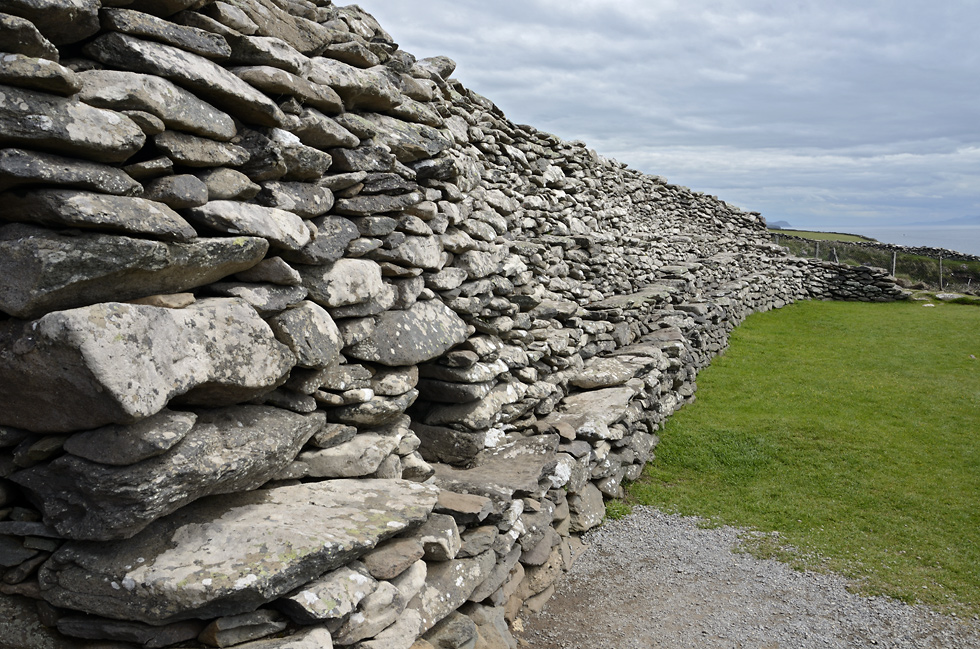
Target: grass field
852, 430
821, 236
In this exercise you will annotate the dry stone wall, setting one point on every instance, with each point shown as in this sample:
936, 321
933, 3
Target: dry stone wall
303, 344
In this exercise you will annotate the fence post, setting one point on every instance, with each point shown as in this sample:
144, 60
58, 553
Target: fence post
940, 272
894, 261
836, 258
818, 250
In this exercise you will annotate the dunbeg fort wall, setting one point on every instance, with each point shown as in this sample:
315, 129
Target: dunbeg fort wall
304, 344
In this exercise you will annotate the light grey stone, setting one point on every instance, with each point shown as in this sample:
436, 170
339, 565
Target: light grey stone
592, 413
346, 281
377, 611
37, 74
448, 584
333, 236
122, 365
45, 271
318, 130
193, 151
230, 554
360, 89
39, 120
421, 333
409, 142
587, 508
21, 167
275, 81
359, 457
228, 184
74, 208
310, 333
267, 299
306, 200
518, 469
227, 451
283, 229
205, 78
330, 597
274, 271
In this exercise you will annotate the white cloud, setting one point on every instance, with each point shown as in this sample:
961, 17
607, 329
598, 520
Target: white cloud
807, 111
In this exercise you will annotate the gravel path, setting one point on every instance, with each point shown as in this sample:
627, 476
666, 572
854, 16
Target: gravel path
653, 580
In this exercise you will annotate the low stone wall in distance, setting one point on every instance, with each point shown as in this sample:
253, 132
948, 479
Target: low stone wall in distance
303, 344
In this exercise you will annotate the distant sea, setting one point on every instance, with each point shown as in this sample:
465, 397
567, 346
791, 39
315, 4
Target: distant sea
961, 238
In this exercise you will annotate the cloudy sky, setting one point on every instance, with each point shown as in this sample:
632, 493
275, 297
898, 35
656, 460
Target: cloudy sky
824, 113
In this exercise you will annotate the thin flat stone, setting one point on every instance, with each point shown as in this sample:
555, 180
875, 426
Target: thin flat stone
178, 108
194, 72
79, 209
45, 271
21, 167
39, 120
230, 554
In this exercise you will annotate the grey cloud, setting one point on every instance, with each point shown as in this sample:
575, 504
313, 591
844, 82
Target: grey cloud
815, 109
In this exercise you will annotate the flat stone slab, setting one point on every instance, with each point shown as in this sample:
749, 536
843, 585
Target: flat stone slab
38, 120
227, 450
231, 554
591, 413
45, 271
521, 468
115, 363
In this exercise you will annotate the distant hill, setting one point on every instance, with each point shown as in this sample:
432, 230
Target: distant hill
779, 225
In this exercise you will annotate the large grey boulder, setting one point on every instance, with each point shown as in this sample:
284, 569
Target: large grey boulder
178, 108
38, 120
72, 208
22, 167
424, 332
227, 451
196, 73
44, 271
117, 363
230, 554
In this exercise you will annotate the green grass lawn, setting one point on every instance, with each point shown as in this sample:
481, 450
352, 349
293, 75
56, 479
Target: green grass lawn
853, 430
821, 236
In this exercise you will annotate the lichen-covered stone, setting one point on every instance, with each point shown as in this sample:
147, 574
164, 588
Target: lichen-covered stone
413, 336
33, 119
230, 554
119, 363
44, 271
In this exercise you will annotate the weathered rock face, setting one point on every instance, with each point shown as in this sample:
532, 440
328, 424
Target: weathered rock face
263, 274
225, 451
119, 363
228, 555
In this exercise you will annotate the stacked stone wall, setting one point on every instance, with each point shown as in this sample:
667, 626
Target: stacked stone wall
304, 344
